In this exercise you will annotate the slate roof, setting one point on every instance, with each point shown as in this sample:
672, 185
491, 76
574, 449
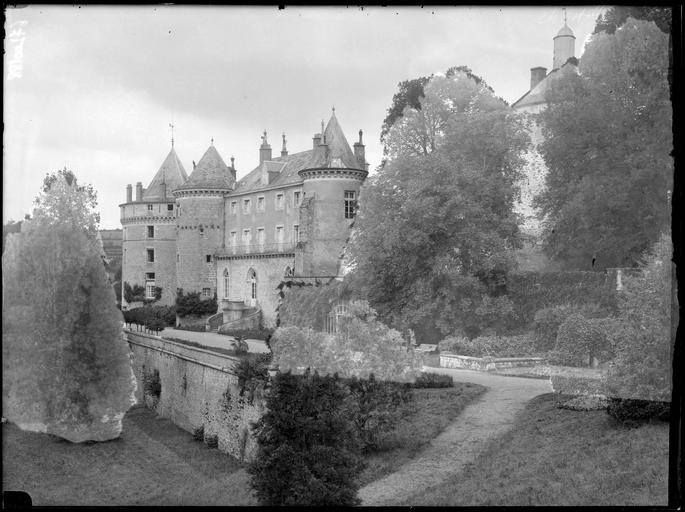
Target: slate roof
170, 172
288, 166
537, 94
339, 153
210, 173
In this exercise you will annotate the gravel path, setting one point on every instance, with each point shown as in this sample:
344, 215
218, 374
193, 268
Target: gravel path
460, 443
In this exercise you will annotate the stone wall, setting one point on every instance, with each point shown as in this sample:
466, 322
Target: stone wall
448, 360
198, 388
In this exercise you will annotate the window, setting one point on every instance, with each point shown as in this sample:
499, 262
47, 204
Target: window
233, 239
234, 207
279, 234
150, 231
260, 237
246, 237
170, 207
260, 204
226, 283
296, 233
178, 257
289, 272
150, 255
350, 204
246, 206
296, 198
206, 292
252, 281
149, 207
150, 285
279, 201
208, 258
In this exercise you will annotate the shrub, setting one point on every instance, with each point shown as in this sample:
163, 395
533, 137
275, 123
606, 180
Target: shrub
212, 441
308, 451
648, 312
581, 340
191, 303
456, 345
154, 318
632, 412
434, 380
135, 293
378, 409
547, 321
252, 373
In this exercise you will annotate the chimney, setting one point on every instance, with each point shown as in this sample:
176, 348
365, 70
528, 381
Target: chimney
162, 188
284, 150
264, 149
233, 166
129, 193
359, 151
537, 75
139, 191
316, 141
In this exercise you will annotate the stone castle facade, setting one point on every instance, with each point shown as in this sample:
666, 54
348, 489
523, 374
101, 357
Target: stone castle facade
528, 106
208, 232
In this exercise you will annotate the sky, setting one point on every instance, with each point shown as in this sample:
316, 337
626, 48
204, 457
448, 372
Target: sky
95, 88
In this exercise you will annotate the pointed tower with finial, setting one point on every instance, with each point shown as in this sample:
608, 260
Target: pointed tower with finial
564, 45
200, 222
149, 235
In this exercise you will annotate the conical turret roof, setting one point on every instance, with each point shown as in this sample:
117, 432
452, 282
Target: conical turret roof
338, 153
210, 173
172, 173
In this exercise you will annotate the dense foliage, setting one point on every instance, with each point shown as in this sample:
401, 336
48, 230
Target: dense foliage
307, 305
643, 338
192, 304
617, 15
308, 446
435, 231
433, 380
584, 341
607, 143
65, 362
362, 346
154, 318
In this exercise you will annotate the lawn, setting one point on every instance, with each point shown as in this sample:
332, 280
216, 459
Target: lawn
152, 463
423, 419
562, 457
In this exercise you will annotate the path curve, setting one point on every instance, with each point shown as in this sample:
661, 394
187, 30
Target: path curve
459, 444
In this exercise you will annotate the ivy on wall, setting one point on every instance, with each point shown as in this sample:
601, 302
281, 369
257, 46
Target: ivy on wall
307, 305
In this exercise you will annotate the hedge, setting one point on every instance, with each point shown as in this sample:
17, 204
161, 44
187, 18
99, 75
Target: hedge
192, 304
581, 339
434, 380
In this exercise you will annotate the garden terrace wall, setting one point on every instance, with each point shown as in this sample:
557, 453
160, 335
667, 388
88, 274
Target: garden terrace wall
448, 360
194, 383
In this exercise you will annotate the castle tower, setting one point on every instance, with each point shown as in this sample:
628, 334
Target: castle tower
200, 222
149, 233
331, 182
564, 46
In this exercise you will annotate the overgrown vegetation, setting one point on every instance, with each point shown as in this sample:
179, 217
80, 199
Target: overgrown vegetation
192, 304
136, 293
434, 380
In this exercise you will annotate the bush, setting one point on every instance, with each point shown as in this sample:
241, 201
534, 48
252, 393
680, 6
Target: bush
378, 409
154, 318
252, 373
308, 450
547, 321
135, 293
199, 433
263, 333
490, 346
191, 304
434, 380
642, 339
632, 412
152, 386
212, 441
581, 340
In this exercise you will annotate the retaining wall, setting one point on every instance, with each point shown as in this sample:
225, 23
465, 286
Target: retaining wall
198, 388
448, 360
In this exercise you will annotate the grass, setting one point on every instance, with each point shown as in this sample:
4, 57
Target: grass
558, 457
423, 419
152, 463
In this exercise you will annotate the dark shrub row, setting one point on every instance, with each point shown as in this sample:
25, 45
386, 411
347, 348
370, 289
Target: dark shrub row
152, 318
632, 412
434, 380
192, 304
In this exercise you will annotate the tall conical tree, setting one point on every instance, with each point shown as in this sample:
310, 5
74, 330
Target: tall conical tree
67, 369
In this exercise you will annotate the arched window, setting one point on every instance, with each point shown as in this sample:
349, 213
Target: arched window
225, 283
252, 281
288, 272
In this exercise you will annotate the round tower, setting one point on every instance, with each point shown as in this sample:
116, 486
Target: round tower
149, 236
331, 183
564, 46
199, 223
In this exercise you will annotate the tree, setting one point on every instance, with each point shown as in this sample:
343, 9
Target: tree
63, 332
607, 143
308, 449
616, 16
436, 223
